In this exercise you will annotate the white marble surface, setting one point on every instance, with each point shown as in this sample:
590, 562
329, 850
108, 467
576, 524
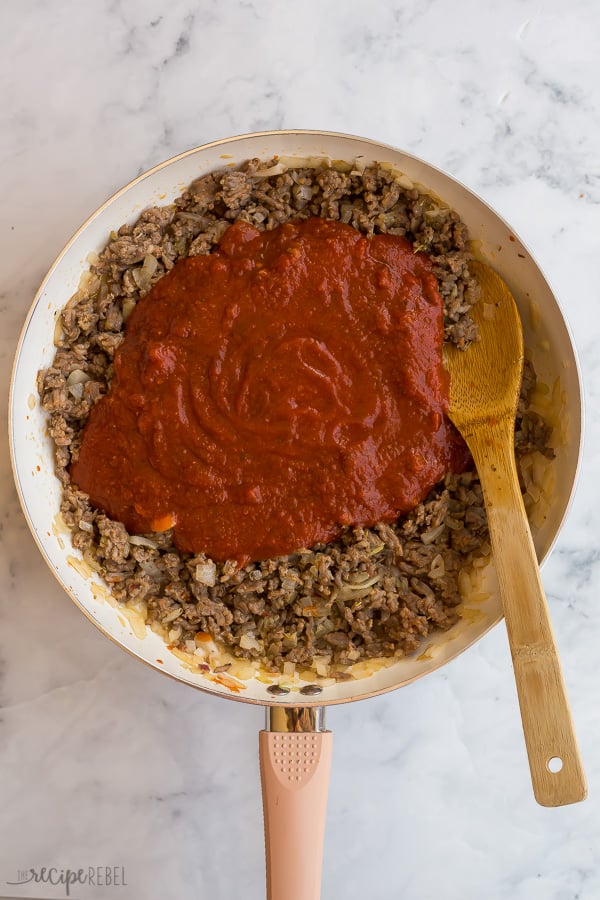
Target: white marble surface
105, 763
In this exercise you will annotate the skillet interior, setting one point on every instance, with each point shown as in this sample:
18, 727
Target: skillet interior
31, 449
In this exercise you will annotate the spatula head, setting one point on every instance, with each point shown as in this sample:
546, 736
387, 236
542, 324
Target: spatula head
485, 379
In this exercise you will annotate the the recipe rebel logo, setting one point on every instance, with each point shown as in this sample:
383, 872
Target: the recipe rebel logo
69, 879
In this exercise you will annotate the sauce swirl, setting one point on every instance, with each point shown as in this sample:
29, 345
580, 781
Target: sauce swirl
274, 391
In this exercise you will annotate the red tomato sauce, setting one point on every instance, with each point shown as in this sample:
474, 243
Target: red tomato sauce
270, 393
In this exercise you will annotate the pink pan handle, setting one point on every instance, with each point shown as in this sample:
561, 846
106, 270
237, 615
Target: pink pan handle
294, 770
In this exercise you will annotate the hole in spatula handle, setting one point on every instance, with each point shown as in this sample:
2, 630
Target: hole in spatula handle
554, 764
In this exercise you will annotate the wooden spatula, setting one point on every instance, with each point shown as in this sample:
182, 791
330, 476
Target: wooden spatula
484, 390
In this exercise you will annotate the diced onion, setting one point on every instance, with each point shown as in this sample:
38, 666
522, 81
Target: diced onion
325, 627
399, 177
58, 333
76, 391
242, 670
206, 573
438, 567
249, 642
172, 615
355, 592
322, 665
77, 376
360, 164
360, 585
92, 563
278, 169
75, 383
142, 275
428, 537
140, 541
305, 162
151, 569
305, 192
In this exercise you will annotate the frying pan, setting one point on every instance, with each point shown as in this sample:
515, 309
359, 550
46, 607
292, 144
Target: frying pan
295, 748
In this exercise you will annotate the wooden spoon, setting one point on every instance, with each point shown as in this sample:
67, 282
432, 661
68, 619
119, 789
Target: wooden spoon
485, 383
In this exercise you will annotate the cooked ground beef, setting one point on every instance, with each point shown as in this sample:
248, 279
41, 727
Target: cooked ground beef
374, 592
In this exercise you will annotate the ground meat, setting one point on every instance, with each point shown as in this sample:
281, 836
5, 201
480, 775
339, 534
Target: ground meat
374, 592
236, 189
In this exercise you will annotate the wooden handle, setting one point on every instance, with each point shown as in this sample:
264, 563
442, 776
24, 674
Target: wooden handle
556, 769
294, 771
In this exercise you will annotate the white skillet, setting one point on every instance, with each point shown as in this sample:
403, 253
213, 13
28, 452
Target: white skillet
295, 751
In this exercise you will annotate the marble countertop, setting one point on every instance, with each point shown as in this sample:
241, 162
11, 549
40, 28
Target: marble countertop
103, 763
